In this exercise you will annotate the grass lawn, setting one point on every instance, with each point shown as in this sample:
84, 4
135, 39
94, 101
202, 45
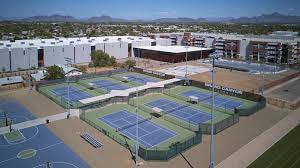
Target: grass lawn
284, 154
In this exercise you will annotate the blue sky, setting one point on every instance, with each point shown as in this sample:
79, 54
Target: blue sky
148, 9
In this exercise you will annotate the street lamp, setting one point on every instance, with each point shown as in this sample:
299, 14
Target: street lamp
211, 164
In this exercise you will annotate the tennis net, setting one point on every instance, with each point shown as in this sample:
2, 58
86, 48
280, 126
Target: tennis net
140, 120
176, 109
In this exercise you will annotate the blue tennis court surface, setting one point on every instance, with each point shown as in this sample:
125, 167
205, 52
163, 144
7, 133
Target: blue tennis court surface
75, 93
220, 101
149, 133
48, 147
141, 79
109, 85
180, 111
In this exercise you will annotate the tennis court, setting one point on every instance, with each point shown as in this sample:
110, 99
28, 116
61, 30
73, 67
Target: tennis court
75, 93
108, 85
140, 79
149, 133
180, 111
220, 101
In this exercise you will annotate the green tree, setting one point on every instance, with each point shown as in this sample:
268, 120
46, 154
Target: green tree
54, 72
101, 59
129, 64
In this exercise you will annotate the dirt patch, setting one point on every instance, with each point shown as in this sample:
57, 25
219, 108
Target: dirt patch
111, 154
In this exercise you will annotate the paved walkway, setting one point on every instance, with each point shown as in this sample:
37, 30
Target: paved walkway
40, 121
251, 151
127, 92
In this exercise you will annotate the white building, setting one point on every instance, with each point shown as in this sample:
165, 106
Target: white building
26, 54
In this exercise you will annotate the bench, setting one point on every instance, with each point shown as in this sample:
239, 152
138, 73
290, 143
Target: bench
91, 140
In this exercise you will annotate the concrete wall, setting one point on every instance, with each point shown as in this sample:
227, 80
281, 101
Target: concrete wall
56, 54
244, 49
5, 61
82, 53
17, 59
31, 57
163, 42
209, 41
99, 46
68, 52
124, 50
52, 55
138, 44
113, 49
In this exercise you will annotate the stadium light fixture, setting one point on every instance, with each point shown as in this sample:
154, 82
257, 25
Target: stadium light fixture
214, 56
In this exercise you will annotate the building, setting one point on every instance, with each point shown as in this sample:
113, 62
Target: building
172, 54
279, 47
36, 53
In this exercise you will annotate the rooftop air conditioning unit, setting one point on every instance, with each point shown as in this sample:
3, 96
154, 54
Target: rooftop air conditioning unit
52, 42
56, 38
31, 44
8, 45
71, 42
78, 40
23, 42
43, 41
1, 43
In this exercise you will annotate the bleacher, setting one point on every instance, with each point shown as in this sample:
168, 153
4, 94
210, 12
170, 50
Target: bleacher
91, 140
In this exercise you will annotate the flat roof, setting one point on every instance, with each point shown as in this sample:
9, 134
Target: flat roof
38, 43
173, 49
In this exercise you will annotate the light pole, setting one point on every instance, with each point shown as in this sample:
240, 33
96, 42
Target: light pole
186, 64
137, 129
69, 63
212, 160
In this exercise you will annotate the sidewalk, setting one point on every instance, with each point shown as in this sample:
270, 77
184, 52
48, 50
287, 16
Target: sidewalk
251, 151
40, 121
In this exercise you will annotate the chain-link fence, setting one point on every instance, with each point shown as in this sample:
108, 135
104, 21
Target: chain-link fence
154, 153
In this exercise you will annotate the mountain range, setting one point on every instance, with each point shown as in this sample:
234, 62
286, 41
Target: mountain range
265, 18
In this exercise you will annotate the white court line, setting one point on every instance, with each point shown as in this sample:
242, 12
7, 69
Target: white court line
26, 139
36, 150
66, 163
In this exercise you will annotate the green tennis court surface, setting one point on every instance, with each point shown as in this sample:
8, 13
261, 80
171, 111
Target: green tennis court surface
14, 136
284, 154
159, 140
184, 118
223, 102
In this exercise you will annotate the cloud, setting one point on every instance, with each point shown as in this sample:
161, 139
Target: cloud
291, 9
